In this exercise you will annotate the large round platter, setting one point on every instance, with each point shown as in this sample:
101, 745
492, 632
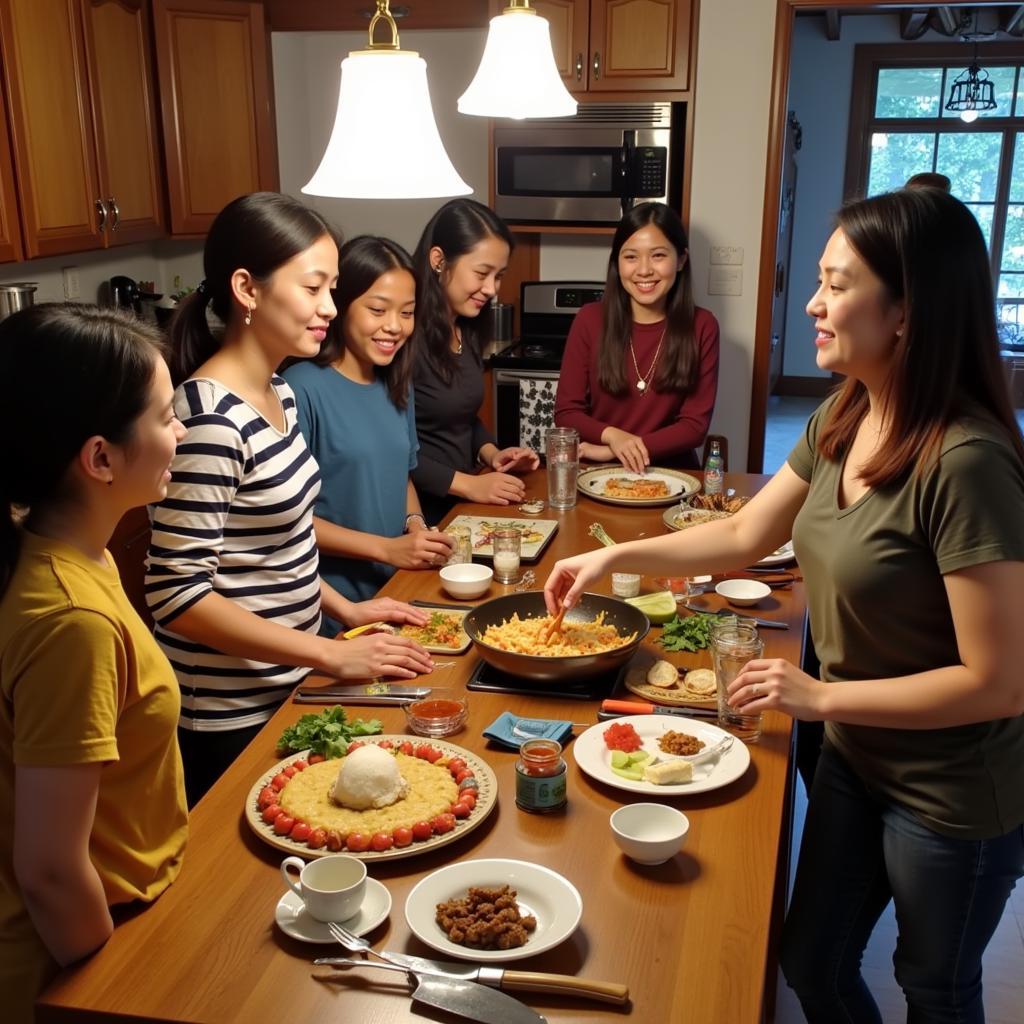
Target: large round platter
683, 518
552, 899
782, 556
487, 800
591, 482
594, 758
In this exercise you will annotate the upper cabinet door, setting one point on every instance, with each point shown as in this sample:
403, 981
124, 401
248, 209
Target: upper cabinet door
51, 127
124, 117
569, 26
639, 44
219, 134
10, 229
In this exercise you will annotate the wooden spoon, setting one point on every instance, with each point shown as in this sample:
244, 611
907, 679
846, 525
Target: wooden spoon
555, 627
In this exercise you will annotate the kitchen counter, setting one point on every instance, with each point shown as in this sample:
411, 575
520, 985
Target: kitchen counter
694, 938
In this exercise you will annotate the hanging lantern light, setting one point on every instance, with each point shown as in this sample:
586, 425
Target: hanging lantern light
973, 90
385, 86
517, 76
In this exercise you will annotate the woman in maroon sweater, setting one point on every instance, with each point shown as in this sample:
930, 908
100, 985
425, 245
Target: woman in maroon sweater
640, 370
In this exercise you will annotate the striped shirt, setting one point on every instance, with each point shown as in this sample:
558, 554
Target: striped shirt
238, 521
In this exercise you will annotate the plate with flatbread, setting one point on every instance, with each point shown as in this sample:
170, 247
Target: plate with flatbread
694, 686
618, 486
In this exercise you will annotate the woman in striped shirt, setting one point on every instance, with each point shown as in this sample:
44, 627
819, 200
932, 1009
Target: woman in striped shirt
233, 581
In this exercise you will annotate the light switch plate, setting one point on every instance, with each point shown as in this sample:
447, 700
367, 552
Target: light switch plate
727, 255
725, 280
72, 285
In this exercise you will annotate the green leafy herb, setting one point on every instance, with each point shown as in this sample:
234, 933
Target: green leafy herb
690, 634
328, 733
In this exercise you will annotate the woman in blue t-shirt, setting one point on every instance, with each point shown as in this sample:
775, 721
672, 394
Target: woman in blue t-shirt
356, 412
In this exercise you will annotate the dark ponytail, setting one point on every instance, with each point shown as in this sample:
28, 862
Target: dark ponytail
76, 371
257, 232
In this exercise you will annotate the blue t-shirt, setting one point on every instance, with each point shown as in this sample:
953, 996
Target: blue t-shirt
365, 448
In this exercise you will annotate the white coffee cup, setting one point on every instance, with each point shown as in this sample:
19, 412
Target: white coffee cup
332, 888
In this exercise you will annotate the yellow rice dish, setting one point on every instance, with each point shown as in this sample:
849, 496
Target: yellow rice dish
527, 636
432, 791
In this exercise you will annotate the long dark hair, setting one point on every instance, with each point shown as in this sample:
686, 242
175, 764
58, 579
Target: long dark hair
76, 371
458, 226
677, 370
361, 261
260, 232
928, 251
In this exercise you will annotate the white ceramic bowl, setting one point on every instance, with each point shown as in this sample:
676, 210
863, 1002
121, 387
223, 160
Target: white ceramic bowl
649, 833
743, 592
466, 579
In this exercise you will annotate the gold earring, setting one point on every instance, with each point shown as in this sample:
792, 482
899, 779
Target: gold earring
248, 315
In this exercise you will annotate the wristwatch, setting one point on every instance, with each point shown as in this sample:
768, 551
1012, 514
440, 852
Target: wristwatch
414, 515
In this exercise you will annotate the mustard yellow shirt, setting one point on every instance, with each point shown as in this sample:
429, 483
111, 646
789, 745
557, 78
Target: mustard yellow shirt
82, 681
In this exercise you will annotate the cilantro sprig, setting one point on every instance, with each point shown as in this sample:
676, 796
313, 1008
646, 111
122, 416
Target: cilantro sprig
690, 634
328, 733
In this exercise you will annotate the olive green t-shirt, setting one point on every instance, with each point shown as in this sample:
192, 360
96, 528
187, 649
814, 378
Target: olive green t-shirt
878, 610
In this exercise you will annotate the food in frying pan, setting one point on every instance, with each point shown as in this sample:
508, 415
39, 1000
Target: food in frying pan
529, 636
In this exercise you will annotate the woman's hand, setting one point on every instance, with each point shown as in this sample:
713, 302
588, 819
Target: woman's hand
420, 548
628, 448
595, 452
570, 576
384, 609
515, 460
379, 654
777, 685
495, 489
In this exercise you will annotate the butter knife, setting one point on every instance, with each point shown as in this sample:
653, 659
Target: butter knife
364, 694
766, 623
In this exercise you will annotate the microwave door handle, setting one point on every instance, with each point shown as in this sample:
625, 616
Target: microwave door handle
628, 151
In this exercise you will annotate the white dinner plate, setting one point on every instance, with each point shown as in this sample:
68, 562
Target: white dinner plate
781, 556
293, 920
552, 899
591, 482
595, 759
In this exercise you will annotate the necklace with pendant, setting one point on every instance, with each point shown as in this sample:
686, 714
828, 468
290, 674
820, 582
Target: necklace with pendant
458, 341
643, 380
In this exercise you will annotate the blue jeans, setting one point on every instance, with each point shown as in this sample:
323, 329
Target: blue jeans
858, 852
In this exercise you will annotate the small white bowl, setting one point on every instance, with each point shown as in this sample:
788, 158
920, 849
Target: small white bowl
649, 833
743, 593
466, 579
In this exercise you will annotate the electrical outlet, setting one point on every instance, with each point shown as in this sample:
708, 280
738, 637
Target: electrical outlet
72, 286
727, 255
725, 281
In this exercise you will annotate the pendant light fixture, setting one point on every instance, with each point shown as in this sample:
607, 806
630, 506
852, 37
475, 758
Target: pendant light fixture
973, 90
384, 89
517, 76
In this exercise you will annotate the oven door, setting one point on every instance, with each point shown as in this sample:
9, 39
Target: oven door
524, 407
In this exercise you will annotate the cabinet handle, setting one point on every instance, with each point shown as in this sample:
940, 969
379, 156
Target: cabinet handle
579, 66
112, 203
102, 211
597, 65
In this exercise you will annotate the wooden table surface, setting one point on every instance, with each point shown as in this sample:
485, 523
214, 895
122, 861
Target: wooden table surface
692, 938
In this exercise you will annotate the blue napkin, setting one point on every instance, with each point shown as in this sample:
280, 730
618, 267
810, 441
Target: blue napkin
513, 730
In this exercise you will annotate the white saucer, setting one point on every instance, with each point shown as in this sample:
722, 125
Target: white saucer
292, 919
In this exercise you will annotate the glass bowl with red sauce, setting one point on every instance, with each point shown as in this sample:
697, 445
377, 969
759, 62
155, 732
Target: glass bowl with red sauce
442, 712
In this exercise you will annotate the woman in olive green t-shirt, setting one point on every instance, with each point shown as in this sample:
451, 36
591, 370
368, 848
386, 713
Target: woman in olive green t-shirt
905, 500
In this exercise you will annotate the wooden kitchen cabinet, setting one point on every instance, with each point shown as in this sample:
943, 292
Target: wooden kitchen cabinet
620, 45
82, 122
219, 132
10, 229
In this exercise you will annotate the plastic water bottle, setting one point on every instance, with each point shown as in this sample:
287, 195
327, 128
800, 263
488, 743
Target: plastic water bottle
713, 471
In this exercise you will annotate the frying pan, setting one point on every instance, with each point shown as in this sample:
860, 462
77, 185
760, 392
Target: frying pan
530, 604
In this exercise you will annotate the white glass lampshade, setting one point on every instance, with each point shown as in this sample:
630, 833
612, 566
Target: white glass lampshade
385, 143
517, 76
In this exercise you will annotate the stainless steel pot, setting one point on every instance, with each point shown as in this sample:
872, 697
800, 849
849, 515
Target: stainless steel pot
529, 604
16, 296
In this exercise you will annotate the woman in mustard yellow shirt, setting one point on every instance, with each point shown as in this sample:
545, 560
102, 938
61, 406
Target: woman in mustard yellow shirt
91, 787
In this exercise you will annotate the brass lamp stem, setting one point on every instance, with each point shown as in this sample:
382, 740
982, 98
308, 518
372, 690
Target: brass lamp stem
519, 7
384, 15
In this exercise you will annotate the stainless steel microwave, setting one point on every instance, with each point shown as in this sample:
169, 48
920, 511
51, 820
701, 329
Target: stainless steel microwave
589, 168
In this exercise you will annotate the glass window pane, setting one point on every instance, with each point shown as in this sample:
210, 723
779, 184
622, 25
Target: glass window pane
1019, 108
971, 162
1013, 240
895, 156
983, 213
1017, 177
1002, 82
908, 92
1011, 286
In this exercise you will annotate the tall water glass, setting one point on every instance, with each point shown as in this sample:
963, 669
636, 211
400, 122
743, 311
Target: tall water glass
562, 449
733, 644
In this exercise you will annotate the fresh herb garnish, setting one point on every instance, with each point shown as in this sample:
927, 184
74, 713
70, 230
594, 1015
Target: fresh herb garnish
328, 733
690, 634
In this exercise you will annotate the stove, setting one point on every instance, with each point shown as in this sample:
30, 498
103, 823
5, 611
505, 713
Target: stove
526, 374
493, 680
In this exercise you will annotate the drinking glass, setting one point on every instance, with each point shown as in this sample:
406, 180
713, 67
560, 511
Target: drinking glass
562, 450
733, 644
462, 548
507, 546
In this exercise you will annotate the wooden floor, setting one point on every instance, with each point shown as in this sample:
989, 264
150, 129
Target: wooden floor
1003, 976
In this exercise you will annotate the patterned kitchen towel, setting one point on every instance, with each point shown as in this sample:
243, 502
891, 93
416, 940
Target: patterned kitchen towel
513, 731
536, 411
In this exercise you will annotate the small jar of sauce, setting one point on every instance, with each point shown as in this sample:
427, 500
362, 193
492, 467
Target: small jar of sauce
540, 776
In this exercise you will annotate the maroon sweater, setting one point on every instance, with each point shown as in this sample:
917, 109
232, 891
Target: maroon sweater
671, 425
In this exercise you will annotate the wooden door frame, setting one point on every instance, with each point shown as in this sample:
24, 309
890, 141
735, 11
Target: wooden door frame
784, 15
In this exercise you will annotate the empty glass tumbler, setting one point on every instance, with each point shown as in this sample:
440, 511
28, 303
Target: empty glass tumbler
562, 450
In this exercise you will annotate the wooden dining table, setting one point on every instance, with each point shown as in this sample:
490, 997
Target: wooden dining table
694, 938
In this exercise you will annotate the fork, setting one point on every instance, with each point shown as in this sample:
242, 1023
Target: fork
356, 944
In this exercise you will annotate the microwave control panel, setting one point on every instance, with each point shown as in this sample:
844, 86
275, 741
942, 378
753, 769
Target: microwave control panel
648, 171
573, 298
